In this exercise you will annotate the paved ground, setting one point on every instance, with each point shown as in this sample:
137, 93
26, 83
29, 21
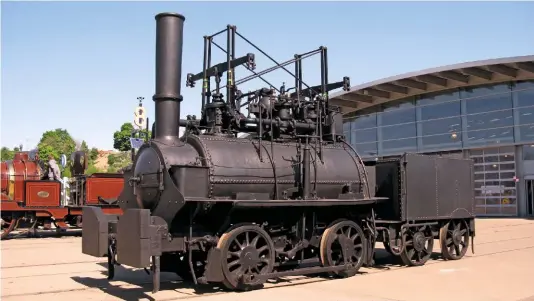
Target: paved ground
501, 269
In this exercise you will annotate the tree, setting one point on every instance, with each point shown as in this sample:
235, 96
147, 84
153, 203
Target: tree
84, 147
56, 143
7, 154
118, 161
121, 138
93, 154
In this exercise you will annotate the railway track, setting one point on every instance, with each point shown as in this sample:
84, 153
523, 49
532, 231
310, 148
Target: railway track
109, 287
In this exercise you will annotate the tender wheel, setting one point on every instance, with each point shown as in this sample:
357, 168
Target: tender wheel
454, 239
9, 224
247, 252
418, 247
342, 243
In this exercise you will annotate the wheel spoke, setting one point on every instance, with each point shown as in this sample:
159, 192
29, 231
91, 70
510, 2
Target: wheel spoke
348, 231
238, 244
457, 249
260, 250
462, 232
247, 239
255, 241
411, 253
358, 246
233, 263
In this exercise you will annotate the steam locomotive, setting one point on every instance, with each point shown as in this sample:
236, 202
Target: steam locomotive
27, 196
291, 198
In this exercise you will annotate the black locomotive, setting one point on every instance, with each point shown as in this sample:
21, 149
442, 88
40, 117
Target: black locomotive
291, 198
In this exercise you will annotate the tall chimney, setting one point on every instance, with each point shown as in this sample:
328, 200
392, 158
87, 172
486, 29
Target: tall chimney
169, 40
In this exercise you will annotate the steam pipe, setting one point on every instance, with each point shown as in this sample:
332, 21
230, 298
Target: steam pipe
169, 42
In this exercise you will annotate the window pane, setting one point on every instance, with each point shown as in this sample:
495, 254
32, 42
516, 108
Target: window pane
441, 131
489, 114
525, 106
346, 126
364, 122
398, 127
367, 149
439, 106
473, 92
528, 152
399, 137
398, 114
362, 136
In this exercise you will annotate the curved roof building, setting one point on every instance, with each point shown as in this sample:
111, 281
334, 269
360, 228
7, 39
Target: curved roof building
482, 110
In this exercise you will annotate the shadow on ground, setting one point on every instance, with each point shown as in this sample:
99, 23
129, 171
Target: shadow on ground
130, 284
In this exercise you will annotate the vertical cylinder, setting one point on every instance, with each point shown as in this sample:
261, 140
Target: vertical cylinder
169, 41
306, 181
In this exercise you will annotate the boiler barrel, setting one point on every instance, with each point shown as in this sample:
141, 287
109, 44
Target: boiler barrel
236, 166
13, 173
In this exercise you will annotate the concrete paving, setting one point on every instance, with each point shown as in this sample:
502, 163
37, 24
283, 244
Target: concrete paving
501, 269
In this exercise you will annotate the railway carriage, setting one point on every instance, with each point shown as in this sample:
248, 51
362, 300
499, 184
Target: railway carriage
28, 196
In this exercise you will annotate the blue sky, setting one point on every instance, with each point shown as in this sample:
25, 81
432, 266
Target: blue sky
81, 65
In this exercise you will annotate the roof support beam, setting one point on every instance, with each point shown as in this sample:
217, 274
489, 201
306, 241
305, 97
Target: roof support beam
503, 69
392, 88
410, 83
527, 66
480, 73
376, 93
356, 97
432, 79
453, 75
338, 101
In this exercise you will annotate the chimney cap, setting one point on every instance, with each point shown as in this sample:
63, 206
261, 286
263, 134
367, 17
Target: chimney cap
168, 14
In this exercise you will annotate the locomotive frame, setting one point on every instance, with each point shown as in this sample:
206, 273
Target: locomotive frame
27, 197
297, 200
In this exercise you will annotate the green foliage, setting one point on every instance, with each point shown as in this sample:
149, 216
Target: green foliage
118, 161
84, 147
91, 169
93, 154
121, 138
56, 143
7, 154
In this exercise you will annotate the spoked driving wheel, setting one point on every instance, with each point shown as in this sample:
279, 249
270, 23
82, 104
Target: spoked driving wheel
419, 243
343, 243
247, 252
9, 224
454, 239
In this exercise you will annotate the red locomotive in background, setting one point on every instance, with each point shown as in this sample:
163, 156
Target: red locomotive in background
28, 196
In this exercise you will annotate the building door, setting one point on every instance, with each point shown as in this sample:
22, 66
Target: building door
530, 197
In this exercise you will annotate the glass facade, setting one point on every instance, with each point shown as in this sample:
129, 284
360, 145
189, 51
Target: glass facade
485, 121
495, 187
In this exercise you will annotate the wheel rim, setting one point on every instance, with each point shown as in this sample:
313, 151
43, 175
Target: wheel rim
418, 247
455, 239
247, 253
343, 243
8, 225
